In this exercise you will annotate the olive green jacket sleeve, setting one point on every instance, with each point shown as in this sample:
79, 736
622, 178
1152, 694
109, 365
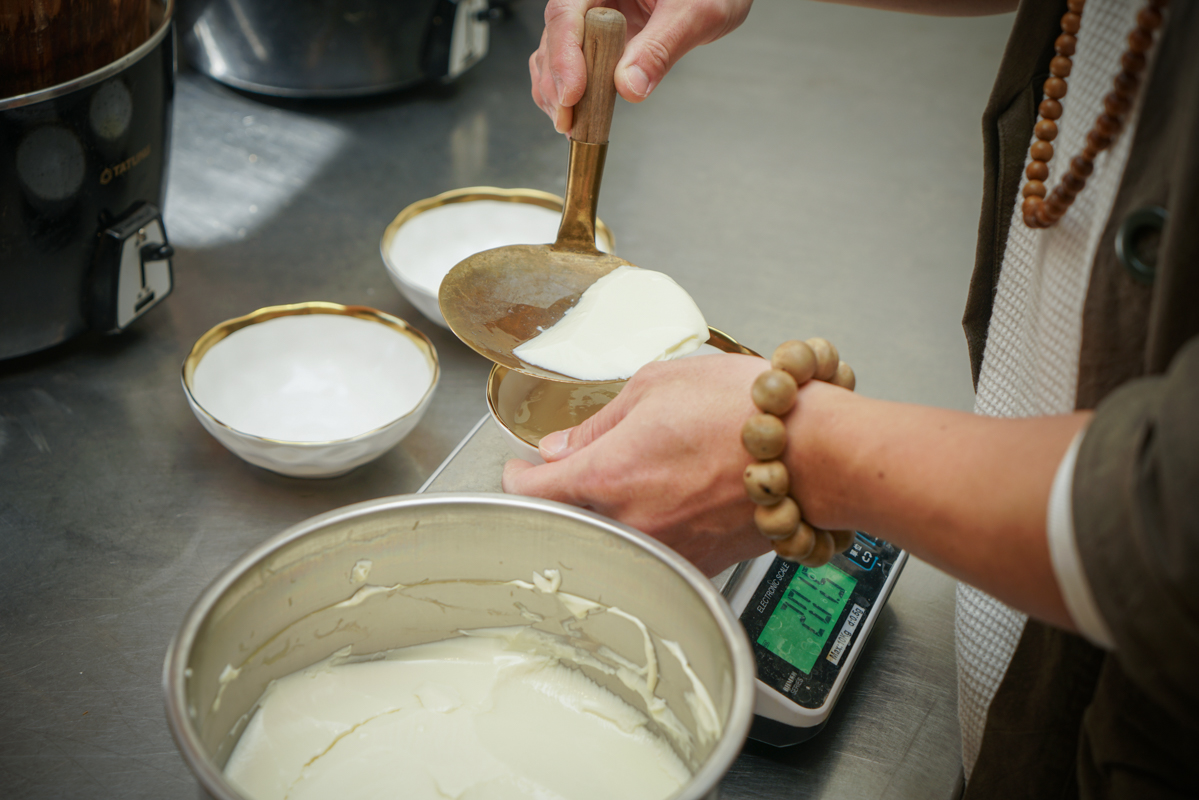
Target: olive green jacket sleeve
1136, 521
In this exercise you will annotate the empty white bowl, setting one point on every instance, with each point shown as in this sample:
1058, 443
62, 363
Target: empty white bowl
425, 240
525, 408
311, 390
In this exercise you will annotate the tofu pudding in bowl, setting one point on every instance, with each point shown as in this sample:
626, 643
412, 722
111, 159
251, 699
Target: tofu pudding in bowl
472, 646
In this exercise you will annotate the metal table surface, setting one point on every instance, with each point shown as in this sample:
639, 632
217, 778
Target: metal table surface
816, 173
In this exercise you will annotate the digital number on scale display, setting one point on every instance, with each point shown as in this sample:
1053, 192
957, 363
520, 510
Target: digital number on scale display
806, 614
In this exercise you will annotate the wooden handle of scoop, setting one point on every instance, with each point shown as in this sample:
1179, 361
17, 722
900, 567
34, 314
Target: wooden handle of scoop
603, 44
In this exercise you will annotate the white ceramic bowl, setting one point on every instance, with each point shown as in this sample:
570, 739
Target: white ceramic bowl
429, 237
525, 408
311, 390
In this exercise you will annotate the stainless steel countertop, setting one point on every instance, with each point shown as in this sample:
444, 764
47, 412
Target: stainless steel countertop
817, 173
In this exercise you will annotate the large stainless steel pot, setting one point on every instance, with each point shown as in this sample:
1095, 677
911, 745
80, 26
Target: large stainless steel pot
333, 48
82, 177
282, 607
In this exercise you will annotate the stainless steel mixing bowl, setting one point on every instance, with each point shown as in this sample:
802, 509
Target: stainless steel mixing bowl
406, 570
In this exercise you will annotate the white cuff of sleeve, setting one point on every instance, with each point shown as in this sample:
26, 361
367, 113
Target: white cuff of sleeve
1063, 552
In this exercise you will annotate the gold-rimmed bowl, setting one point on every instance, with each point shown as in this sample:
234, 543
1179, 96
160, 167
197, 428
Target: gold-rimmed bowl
526, 408
430, 236
311, 390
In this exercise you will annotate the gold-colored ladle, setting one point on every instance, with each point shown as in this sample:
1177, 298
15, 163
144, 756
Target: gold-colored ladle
498, 299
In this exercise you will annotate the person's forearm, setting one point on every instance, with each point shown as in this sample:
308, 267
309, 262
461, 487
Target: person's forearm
940, 8
967, 493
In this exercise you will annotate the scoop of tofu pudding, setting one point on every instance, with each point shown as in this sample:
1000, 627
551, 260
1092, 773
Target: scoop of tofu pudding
625, 320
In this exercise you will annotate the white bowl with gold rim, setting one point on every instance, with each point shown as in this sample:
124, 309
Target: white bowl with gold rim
425, 240
311, 390
525, 409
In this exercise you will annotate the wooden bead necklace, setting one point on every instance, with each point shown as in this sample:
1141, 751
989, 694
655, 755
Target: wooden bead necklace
764, 435
1041, 207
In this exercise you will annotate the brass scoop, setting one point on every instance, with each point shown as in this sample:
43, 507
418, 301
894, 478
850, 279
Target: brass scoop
498, 299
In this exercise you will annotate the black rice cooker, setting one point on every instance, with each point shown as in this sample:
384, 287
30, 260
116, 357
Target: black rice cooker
82, 177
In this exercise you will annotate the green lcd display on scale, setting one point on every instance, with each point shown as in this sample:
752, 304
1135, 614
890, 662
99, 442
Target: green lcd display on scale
802, 622
807, 626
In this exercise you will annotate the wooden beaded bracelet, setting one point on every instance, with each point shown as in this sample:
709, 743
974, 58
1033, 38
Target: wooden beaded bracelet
764, 435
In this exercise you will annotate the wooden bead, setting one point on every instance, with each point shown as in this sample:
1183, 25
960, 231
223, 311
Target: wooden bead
1073, 183
1133, 62
822, 550
1055, 88
774, 392
1065, 44
1041, 150
778, 521
1045, 130
1045, 217
797, 546
1035, 188
795, 358
1060, 67
1140, 40
1089, 153
1056, 203
1036, 170
827, 357
767, 482
1149, 19
764, 436
1082, 167
844, 377
1116, 105
1050, 214
1030, 220
1076, 5
842, 540
1098, 140
1071, 22
1125, 84
1050, 108
1108, 125
1031, 204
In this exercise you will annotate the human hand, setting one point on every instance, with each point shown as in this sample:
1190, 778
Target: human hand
664, 457
660, 32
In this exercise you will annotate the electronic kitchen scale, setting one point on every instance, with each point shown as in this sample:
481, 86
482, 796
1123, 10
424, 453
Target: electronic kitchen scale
807, 628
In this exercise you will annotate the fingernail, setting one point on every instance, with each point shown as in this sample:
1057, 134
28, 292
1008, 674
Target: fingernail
638, 81
554, 445
558, 89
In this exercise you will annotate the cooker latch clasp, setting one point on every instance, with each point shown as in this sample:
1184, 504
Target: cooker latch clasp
132, 271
